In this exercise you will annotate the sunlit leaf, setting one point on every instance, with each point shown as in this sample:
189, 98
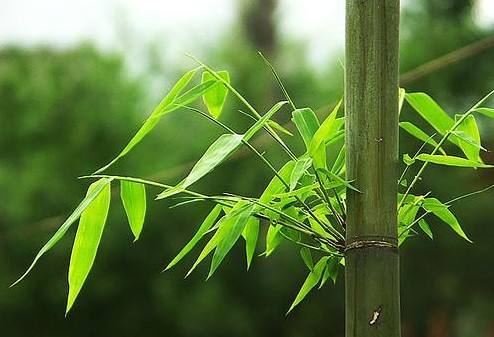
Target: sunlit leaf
133, 197
340, 180
263, 120
250, 234
419, 134
307, 125
87, 239
215, 98
451, 161
310, 282
469, 138
205, 226
430, 111
408, 160
330, 271
301, 166
442, 211
155, 116
277, 126
325, 131
426, 228
486, 112
307, 257
339, 163
93, 191
273, 239
214, 155
230, 232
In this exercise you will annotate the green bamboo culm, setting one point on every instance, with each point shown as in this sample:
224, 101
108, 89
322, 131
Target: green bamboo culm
371, 105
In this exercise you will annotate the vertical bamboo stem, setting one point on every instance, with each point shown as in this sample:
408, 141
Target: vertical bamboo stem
371, 105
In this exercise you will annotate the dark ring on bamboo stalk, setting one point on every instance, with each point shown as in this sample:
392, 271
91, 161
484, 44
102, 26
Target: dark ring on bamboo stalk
373, 241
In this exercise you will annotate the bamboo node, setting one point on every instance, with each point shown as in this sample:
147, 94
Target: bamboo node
359, 242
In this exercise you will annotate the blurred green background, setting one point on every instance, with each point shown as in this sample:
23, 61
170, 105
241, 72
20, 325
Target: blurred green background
68, 108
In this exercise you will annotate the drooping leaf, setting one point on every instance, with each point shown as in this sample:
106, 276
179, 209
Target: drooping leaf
189, 96
330, 271
301, 166
250, 234
214, 156
87, 239
307, 257
442, 211
93, 191
310, 282
430, 111
451, 161
133, 197
215, 98
273, 239
408, 160
230, 232
155, 116
419, 134
401, 99
469, 138
426, 228
205, 226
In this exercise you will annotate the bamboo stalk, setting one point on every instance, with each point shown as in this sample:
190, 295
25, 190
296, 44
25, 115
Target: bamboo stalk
371, 105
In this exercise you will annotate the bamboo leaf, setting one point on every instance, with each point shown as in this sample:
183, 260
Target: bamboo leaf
307, 257
250, 234
155, 116
419, 134
307, 125
339, 180
430, 111
440, 210
451, 161
426, 228
325, 131
310, 282
215, 98
330, 271
230, 232
469, 138
133, 197
486, 112
273, 239
408, 160
87, 239
276, 186
189, 96
205, 226
214, 156
280, 128
339, 163
301, 166
93, 191
261, 122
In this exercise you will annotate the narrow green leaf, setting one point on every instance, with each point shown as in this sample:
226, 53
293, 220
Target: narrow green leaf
133, 197
440, 210
419, 134
307, 125
469, 138
224, 146
93, 191
189, 96
330, 271
205, 226
486, 112
230, 232
451, 161
307, 257
339, 163
261, 122
338, 179
215, 98
155, 116
430, 111
401, 99
250, 234
87, 239
301, 166
426, 228
408, 160
325, 131
275, 186
310, 282
277, 126
273, 239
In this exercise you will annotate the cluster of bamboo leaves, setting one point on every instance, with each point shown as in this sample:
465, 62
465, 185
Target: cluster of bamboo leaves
304, 202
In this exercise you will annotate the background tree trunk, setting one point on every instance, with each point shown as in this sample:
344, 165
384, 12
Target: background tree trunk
371, 107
